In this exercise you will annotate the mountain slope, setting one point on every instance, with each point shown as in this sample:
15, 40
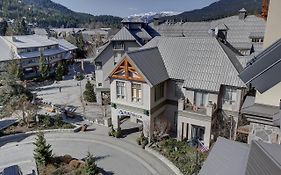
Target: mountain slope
47, 13
220, 9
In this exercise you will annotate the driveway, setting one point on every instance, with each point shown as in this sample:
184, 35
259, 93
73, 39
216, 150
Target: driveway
114, 156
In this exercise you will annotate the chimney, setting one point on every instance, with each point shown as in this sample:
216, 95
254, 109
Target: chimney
156, 20
264, 13
242, 14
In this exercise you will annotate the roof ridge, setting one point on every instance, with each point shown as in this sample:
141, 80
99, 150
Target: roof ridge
142, 49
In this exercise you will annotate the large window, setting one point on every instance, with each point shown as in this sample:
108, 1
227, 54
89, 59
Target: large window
230, 95
159, 91
120, 90
136, 92
201, 99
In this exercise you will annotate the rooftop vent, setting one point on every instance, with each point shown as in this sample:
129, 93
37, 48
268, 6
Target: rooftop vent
242, 14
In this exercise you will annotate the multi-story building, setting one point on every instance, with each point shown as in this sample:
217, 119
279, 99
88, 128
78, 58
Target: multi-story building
176, 84
244, 32
28, 49
133, 35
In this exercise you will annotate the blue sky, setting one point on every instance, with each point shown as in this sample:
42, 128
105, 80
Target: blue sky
124, 8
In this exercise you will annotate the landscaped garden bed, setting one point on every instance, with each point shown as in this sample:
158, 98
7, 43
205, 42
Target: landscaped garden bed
46, 122
181, 155
48, 164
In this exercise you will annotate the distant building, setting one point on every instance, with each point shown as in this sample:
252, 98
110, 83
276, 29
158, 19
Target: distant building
233, 158
65, 32
40, 31
244, 32
28, 48
133, 35
177, 83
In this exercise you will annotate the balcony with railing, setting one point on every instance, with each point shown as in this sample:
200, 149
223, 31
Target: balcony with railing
185, 106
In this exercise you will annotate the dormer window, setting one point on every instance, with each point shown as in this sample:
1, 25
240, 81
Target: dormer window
118, 45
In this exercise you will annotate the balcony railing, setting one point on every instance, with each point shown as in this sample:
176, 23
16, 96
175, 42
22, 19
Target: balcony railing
192, 108
184, 105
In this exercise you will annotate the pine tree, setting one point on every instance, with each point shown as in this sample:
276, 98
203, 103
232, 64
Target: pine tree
43, 68
90, 165
59, 72
42, 152
89, 93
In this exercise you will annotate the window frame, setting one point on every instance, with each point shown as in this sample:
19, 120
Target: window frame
120, 95
138, 88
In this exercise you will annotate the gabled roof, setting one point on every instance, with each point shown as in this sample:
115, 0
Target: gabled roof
204, 63
262, 70
150, 63
123, 35
132, 20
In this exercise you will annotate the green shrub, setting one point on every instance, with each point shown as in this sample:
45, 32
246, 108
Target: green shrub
58, 121
111, 131
118, 133
80, 76
89, 93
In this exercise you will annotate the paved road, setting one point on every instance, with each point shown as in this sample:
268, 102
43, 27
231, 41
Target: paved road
115, 156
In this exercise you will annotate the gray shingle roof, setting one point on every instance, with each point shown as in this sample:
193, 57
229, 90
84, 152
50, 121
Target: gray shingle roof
202, 62
238, 33
227, 157
123, 35
27, 41
132, 20
262, 70
233, 158
150, 63
4, 50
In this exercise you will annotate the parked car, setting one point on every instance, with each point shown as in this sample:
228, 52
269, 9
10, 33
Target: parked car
12, 170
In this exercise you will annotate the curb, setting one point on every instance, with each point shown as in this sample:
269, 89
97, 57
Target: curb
164, 160
76, 129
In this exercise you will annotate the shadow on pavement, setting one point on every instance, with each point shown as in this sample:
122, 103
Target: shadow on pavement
97, 158
16, 138
102, 171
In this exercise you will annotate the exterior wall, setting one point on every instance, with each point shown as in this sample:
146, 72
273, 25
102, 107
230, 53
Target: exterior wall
144, 104
108, 61
136, 110
272, 34
272, 31
185, 132
270, 97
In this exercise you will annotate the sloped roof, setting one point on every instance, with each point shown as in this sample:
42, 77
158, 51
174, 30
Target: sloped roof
226, 157
262, 70
202, 62
239, 30
233, 158
150, 63
123, 35
64, 44
132, 20
27, 41
5, 50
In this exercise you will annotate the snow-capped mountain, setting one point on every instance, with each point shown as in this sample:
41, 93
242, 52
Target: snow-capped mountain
150, 15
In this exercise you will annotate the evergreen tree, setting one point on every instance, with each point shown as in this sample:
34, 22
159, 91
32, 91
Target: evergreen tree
59, 72
3, 27
43, 68
89, 93
90, 165
21, 27
42, 152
